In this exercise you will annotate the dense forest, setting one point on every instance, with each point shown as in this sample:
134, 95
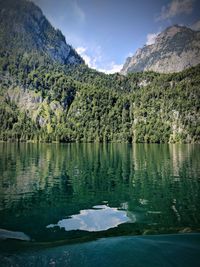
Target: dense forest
48, 93
50, 102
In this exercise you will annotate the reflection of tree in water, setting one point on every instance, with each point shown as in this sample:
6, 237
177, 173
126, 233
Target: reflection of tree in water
103, 171
167, 177
42, 183
29, 169
49, 181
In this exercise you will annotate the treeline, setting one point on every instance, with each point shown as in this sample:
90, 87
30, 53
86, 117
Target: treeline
46, 102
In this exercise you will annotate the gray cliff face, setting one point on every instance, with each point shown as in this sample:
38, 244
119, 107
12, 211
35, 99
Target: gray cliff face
24, 29
174, 50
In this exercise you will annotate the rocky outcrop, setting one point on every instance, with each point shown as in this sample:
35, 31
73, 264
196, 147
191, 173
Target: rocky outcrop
174, 50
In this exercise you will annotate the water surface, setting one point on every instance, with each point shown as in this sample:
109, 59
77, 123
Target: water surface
181, 250
80, 192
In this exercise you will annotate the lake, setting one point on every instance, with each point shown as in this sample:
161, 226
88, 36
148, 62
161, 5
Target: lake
63, 195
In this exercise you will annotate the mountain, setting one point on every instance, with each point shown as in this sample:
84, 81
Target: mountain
174, 50
24, 30
47, 94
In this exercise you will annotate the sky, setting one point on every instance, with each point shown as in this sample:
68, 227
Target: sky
106, 32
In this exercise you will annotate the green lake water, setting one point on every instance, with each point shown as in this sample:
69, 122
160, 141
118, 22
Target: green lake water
58, 195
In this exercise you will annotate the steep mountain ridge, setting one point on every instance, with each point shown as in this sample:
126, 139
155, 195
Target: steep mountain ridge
25, 30
174, 50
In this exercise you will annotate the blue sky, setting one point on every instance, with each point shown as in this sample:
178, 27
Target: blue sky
106, 32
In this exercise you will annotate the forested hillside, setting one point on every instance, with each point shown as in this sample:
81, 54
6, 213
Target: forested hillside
52, 103
48, 96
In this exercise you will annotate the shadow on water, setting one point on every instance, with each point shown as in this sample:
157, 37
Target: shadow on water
147, 251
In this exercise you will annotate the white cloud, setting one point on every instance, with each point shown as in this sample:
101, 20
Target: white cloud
81, 50
95, 60
89, 60
196, 26
151, 38
176, 7
112, 68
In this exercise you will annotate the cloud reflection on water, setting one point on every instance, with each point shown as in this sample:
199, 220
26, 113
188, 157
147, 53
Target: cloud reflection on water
97, 219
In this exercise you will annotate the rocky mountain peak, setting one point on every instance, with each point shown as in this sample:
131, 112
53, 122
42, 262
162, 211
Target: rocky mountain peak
170, 32
175, 49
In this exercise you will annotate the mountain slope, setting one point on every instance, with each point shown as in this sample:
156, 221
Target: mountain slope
25, 30
174, 50
45, 98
